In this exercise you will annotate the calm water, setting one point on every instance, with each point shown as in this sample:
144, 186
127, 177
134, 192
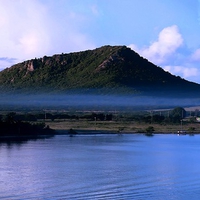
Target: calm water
102, 167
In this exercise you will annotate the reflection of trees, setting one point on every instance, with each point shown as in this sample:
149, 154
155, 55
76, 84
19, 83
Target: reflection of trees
10, 143
18, 141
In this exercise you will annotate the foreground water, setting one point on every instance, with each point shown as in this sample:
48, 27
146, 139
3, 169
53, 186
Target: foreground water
102, 167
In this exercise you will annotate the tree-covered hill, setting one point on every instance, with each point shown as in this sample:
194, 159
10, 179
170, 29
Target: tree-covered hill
113, 68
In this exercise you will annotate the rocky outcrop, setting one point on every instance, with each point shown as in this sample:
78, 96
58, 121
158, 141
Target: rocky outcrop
30, 66
111, 60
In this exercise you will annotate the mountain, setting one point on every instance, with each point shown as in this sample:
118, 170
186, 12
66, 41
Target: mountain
108, 68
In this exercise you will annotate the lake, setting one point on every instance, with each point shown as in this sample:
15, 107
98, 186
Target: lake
103, 166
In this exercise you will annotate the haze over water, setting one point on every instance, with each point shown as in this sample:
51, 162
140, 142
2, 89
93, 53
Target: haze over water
102, 166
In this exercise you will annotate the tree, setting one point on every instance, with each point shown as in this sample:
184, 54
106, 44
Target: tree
191, 129
109, 117
158, 118
178, 113
10, 117
150, 129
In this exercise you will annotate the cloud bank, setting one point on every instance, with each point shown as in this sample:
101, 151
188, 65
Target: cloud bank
186, 71
169, 40
30, 29
165, 51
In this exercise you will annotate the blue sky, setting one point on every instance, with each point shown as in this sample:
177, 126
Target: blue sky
166, 32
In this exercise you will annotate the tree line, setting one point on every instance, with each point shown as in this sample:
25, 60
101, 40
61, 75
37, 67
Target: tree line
174, 116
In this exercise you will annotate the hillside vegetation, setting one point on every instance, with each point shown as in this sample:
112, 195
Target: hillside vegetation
109, 68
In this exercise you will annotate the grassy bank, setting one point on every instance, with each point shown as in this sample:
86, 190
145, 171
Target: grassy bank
124, 126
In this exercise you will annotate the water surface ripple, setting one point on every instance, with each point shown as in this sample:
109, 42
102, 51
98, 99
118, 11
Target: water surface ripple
105, 166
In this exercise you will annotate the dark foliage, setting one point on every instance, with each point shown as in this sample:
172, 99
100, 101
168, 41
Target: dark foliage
178, 112
150, 129
109, 68
10, 127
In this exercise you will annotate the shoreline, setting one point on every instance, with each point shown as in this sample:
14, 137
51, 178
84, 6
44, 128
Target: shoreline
103, 127
123, 127
99, 132
25, 138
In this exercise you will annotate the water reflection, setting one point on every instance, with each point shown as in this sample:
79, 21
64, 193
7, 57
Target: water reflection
9, 142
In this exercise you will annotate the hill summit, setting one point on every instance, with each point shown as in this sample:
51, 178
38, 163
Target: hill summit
110, 68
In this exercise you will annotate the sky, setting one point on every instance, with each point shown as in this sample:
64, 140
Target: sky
165, 32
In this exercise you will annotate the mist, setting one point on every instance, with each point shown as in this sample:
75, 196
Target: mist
92, 102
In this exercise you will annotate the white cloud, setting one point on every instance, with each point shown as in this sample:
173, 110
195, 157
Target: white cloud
185, 72
168, 42
164, 52
196, 55
29, 29
23, 33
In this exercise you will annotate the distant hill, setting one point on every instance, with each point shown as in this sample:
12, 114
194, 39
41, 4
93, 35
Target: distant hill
107, 69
